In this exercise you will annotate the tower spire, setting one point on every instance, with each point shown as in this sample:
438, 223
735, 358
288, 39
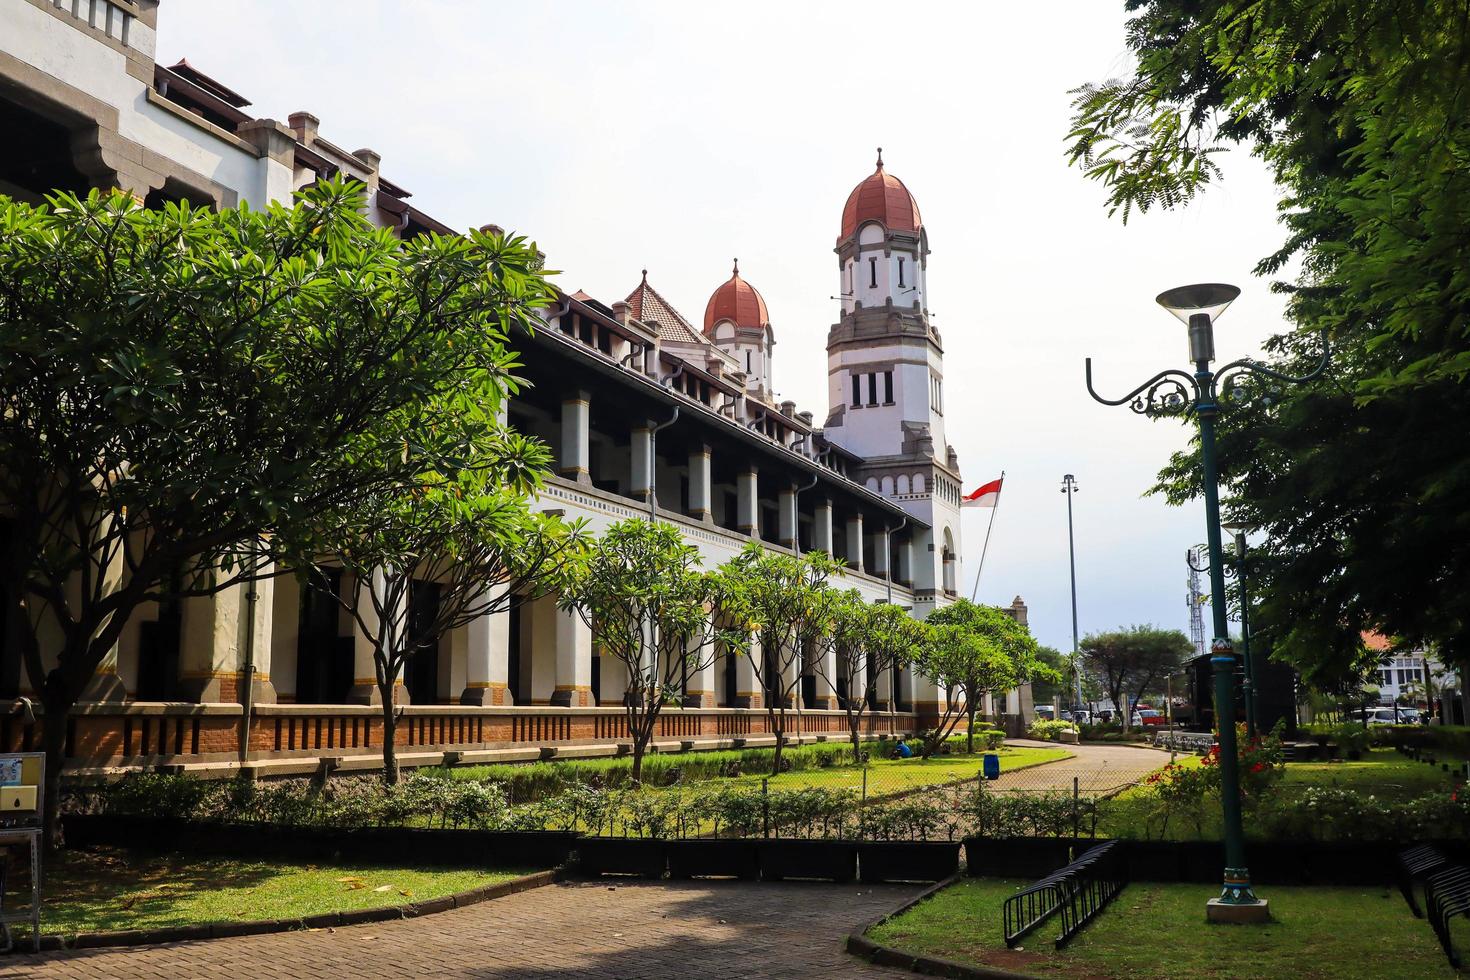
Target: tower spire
880, 158
736, 270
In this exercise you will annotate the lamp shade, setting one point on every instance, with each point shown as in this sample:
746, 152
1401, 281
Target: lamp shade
1246, 526
1204, 297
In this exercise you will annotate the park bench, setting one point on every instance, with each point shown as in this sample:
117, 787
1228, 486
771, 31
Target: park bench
1414, 865
1078, 891
1446, 895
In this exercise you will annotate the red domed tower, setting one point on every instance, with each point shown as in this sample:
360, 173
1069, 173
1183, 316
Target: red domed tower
885, 368
736, 321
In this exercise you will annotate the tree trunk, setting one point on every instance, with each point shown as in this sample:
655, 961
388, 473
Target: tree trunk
778, 727
641, 728
854, 727
970, 731
390, 740
53, 742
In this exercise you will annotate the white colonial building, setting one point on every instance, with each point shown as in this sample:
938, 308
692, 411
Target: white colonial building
613, 385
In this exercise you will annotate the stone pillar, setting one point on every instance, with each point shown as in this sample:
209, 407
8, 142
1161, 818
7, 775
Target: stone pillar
929, 699
487, 656
882, 546
285, 633
699, 692
747, 517
748, 693
640, 452
789, 685
822, 526
573, 661
855, 542
213, 634
699, 485
105, 684
786, 512
824, 668
364, 669
575, 458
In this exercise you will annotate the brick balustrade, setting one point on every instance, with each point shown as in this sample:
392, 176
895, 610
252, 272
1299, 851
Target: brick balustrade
148, 734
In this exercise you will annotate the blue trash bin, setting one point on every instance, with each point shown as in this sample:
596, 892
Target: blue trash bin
992, 766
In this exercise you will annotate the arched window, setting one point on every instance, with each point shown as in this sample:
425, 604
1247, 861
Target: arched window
918, 483
903, 483
886, 487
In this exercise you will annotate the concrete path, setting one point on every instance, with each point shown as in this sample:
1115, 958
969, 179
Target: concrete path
585, 929
1101, 768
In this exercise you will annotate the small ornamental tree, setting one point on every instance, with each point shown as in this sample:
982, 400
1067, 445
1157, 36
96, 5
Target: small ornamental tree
178, 386
871, 639
1130, 662
641, 592
784, 601
991, 653
471, 537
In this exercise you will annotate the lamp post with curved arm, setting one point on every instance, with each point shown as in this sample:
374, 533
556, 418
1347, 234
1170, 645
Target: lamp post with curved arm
1175, 392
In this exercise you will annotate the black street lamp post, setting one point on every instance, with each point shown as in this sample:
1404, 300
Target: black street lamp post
1175, 392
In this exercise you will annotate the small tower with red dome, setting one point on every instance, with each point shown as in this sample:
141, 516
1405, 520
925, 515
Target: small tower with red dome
885, 367
736, 321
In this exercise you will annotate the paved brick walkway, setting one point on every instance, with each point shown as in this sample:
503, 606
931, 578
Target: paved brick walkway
586, 929
1099, 768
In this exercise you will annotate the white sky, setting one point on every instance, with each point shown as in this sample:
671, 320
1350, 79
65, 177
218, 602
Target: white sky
677, 135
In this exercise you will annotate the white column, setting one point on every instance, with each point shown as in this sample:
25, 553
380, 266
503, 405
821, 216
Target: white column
487, 657
575, 458
285, 635
747, 519
640, 448
213, 637
699, 486
882, 545
855, 542
748, 693
573, 661
700, 690
364, 668
822, 526
786, 511
824, 668
905, 571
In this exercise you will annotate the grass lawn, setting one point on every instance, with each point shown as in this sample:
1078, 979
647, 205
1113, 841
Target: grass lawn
887, 776
111, 888
1159, 930
1382, 772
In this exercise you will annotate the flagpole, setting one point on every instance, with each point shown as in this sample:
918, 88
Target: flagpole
976, 590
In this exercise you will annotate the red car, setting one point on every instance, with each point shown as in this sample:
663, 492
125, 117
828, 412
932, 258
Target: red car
1147, 717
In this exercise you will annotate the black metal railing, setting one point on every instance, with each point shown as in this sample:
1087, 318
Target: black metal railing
1446, 895
1078, 892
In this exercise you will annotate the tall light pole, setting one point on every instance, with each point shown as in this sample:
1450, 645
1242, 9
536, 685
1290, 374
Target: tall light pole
1069, 487
1252, 688
1175, 392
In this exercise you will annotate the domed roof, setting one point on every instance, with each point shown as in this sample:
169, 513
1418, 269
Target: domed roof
736, 300
881, 197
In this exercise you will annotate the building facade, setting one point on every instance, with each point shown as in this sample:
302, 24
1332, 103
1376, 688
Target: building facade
618, 390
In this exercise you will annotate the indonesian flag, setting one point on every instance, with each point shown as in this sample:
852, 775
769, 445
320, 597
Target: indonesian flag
986, 496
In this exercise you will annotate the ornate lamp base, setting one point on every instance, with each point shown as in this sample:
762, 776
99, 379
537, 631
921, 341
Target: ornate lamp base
1239, 913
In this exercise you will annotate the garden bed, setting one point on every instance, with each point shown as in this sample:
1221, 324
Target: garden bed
1157, 930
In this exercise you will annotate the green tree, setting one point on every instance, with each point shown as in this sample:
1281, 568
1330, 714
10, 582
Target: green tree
1358, 479
175, 385
1131, 662
649, 606
973, 651
786, 602
433, 558
870, 639
1046, 691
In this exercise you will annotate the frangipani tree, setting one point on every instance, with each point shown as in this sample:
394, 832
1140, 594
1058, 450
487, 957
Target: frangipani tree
975, 650
871, 640
179, 386
786, 602
641, 592
471, 536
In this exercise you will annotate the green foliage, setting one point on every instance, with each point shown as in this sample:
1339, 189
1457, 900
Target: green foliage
1131, 662
1049, 730
1357, 476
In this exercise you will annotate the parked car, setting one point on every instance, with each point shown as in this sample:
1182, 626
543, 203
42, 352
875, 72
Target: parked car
1409, 716
1384, 716
1046, 711
1148, 718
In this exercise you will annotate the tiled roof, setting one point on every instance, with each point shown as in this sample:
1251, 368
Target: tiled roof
647, 305
737, 301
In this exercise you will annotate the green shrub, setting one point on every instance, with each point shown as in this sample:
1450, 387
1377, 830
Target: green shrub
1049, 730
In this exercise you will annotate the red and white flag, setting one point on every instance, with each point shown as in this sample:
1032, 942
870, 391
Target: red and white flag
986, 496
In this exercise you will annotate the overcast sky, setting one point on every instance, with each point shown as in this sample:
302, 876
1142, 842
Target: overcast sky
675, 136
